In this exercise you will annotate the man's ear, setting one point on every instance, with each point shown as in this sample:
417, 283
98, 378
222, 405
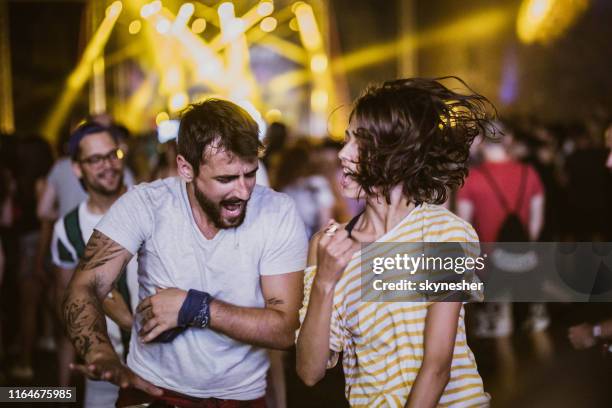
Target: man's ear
76, 169
185, 169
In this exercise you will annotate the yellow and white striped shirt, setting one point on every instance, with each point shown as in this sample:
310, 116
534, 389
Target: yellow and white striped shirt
382, 342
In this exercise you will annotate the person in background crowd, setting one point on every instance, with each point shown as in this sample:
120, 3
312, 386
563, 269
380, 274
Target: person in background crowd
297, 177
5, 221
403, 156
34, 159
97, 163
498, 191
275, 140
586, 200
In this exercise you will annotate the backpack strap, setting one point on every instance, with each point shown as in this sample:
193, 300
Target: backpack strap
73, 231
496, 190
500, 196
523, 185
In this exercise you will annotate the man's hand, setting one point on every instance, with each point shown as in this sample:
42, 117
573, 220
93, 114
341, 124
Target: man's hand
581, 336
109, 368
160, 312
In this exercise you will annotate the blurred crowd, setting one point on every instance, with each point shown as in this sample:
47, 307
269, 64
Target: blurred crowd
556, 179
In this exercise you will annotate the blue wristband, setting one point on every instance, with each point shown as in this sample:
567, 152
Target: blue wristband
195, 311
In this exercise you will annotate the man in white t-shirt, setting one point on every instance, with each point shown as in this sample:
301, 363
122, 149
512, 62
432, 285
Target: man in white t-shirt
239, 249
97, 163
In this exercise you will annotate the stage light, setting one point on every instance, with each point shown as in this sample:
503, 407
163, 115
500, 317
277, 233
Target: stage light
265, 8
293, 24
198, 26
134, 27
120, 154
178, 101
296, 5
163, 26
309, 31
268, 24
318, 100
186, 9
161, 117
226, 10
273, 115
318, 63
544, 20
114, 9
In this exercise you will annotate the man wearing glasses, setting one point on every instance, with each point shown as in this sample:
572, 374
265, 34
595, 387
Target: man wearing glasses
97, 162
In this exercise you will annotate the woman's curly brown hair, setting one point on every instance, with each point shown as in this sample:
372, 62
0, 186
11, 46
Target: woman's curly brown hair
417, 133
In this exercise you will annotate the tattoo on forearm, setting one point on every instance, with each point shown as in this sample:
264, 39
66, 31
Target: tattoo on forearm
85, 324
82, 309
274, 302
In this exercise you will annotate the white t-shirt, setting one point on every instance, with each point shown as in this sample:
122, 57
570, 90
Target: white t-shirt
64, 255
155, 220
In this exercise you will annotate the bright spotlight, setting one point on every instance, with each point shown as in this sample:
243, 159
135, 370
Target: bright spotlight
318, 63
273, 115
265, 8
161, 117
178, 101
163, 26
134, 27
114, 9
268, 24
198, 26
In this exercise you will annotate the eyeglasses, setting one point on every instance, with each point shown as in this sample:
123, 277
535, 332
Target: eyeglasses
98, 159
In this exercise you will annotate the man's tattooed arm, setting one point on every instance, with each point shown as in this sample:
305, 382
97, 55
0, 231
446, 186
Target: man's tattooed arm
93, 279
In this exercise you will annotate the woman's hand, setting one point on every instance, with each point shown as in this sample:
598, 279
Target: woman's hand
334, 251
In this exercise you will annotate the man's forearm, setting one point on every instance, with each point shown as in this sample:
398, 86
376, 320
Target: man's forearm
85, 322
262, 327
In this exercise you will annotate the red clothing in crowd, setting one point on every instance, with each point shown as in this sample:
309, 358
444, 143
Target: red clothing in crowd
489, 213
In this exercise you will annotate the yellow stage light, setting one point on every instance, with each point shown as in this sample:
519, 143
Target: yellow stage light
114, 9
309, 31
293, 24
226, 10
120, 154
135, 27
265, 8
178, 101
273, 115
545, 20
318, 63
318, 100
268, 24
198, 26
296, 5
156, 6
161, 117
186, 9
163, 26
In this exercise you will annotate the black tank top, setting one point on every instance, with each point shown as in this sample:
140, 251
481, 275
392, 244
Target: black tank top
351, 224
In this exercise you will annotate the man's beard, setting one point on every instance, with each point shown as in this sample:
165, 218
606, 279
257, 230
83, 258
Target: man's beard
96, 187
213, 210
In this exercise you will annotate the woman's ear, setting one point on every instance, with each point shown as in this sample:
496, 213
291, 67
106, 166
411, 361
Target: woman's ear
185, 170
